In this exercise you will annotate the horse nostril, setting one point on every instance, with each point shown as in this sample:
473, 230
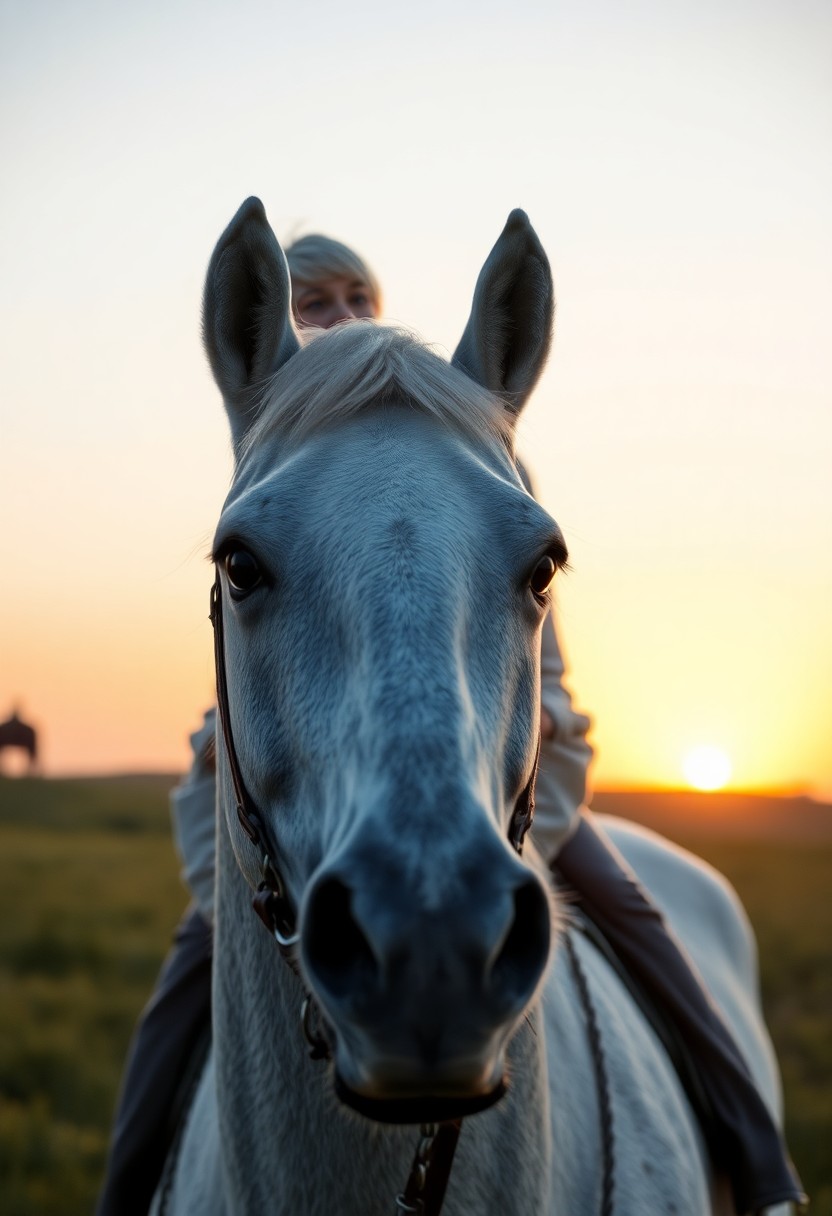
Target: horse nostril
525, 950
336, 949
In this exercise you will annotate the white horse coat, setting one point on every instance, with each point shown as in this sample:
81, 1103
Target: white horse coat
383, 572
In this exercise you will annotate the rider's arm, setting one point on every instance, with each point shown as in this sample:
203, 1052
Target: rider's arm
193, 810
561, 787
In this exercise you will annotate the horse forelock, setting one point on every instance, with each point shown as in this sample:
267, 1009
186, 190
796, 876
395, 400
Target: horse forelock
358, 365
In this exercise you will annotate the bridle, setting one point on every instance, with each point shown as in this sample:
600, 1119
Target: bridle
271, 903
424, 1190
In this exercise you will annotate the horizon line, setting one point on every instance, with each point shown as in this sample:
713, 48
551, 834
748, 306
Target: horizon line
820, 798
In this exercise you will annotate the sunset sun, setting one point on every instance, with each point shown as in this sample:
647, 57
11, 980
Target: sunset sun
707, 768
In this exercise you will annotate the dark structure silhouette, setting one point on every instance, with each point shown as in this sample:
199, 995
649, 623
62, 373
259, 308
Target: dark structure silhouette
14, 732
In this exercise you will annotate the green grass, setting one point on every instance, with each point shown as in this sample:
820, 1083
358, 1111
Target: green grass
89, 896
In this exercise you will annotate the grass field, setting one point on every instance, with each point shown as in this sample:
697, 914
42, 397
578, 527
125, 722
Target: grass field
89, 894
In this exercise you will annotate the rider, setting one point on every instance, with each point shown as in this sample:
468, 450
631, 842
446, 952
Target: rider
332, 284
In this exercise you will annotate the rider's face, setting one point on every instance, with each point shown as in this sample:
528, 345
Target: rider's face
325, 303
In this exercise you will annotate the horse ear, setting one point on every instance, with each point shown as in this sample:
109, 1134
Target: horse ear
507, 338
246, 313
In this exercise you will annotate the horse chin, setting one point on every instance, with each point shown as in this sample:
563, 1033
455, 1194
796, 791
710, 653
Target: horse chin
419, 1102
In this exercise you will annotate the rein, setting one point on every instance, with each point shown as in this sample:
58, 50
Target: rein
424, 1190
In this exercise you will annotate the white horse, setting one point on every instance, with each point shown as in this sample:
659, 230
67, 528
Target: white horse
383, 577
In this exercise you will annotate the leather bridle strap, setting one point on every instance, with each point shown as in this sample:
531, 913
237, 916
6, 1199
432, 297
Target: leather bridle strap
522, 816
250, 821
271, 902
424, 1192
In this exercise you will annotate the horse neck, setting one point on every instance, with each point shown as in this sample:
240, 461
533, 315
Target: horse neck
289, 1147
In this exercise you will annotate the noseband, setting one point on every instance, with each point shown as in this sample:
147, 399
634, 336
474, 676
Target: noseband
424, 1191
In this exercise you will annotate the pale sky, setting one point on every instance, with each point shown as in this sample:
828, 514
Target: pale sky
675, 160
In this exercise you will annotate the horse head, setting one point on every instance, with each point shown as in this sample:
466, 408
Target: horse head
384, 575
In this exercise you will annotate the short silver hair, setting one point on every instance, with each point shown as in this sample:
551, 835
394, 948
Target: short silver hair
315, 257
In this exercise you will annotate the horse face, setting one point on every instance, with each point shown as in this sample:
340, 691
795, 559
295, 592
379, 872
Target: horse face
382, 639
383, 669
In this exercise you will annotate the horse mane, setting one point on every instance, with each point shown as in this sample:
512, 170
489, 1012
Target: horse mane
359, 364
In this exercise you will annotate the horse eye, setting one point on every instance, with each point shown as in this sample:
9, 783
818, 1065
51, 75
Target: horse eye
542, 575
242, 571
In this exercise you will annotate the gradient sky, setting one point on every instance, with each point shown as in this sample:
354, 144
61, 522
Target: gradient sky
674, 158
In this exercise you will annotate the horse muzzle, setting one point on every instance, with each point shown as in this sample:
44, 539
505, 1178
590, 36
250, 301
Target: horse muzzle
423, 995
